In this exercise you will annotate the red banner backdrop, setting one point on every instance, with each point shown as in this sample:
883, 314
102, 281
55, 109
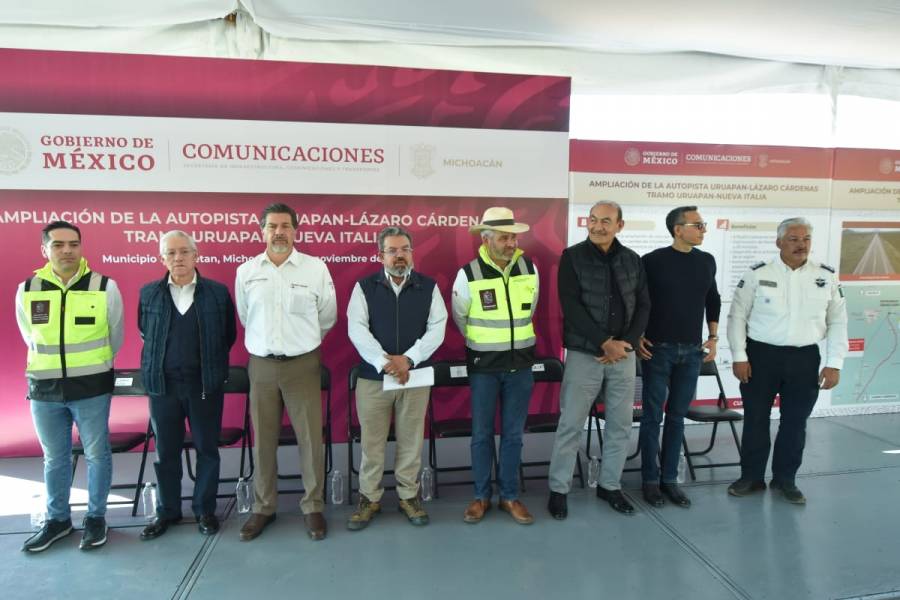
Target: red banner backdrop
121, 227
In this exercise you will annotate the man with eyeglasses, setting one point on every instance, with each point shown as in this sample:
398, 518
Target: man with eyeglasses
681, 279
188, 327
780, 312
396, 319
286, 302
603, 294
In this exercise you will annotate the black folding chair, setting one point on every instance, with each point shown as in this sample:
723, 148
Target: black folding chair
545, 370
287, 436
128, 384
598, 413
238, 382
715, 414
354, 434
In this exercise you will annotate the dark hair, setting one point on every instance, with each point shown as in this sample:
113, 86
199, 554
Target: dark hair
54, 225
391, 232
676, 217
277, 208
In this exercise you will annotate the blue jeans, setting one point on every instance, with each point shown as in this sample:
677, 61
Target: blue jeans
674, 368
53, 423
514, 391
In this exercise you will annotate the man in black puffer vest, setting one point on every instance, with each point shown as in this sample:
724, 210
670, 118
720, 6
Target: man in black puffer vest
605, 305
396, 319
188, 327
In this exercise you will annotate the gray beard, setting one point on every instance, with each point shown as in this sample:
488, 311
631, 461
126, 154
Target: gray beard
399, 271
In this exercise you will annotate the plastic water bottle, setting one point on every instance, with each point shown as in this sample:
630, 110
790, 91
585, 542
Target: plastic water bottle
38, 511
594, 472
148, 501
337, 487
681, 477
426, 484
243, 493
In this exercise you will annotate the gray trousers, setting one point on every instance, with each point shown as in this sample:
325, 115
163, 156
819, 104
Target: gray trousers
584, 378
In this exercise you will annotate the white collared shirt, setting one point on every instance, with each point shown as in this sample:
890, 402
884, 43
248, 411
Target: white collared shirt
285, 310
777, 305
183, 295
369, 348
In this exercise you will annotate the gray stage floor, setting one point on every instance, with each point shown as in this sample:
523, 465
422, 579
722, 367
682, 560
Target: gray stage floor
843, 544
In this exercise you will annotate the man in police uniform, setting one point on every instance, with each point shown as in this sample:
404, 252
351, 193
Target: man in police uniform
494, 298
71, 321
779, 313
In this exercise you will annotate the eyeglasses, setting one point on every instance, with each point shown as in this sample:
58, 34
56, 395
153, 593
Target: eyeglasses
179, 253
396, 251
698, 225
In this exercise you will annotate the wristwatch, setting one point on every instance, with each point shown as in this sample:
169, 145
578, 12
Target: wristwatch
713, 337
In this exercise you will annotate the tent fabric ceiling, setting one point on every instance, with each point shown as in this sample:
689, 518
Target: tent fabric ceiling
655, 46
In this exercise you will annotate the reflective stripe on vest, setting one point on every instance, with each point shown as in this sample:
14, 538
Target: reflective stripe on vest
69, 329
501, 310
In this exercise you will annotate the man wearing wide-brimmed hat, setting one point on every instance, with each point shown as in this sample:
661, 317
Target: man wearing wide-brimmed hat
494, 298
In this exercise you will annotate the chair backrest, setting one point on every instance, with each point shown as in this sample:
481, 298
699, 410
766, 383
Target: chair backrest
547, 369
353, 377
710, 369
128, 382
238, 381
450, 373
325, 379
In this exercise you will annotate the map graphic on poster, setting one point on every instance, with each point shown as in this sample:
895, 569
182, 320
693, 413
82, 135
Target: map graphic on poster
873, 326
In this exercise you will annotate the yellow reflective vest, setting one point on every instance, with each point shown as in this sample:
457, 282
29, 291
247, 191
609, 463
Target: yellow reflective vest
499, 331
69, 335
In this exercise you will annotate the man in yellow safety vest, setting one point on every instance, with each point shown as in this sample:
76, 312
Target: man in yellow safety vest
71, 320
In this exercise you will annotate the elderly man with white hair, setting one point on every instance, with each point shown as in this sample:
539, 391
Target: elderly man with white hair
780, 312
188, 327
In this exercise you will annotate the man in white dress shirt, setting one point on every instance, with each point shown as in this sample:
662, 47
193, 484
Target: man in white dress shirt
396, 319
780, 311
286, 302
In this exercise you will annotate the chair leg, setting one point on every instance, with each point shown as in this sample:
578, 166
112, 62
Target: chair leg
687, 458
187, 463
737, 441
74, 465
432, 460
579, 472
140, 480
712, 441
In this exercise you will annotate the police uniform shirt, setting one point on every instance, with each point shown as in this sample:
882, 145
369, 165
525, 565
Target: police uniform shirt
777, 305
286, 310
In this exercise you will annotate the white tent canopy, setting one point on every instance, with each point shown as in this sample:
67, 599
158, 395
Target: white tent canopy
821, 49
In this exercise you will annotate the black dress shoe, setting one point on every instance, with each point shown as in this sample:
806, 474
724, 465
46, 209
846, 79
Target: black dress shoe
558, 506
616, 500
652, 495
157, 527
675, 495
208, 524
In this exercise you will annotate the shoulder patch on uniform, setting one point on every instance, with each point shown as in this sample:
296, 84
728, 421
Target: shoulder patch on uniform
757, 265
827, 268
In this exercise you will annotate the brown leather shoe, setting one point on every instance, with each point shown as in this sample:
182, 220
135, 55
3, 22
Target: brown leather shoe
255, 525
316, 527
517, 511
475, 511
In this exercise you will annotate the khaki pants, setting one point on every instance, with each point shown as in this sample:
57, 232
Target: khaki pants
293, 385
374, 407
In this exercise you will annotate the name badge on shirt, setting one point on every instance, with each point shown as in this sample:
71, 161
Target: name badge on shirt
488, 299
767, 283
40, 312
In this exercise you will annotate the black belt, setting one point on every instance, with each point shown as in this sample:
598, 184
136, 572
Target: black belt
281, 357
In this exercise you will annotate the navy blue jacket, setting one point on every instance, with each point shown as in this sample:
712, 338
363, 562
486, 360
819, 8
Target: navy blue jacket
396, 322
215, 315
